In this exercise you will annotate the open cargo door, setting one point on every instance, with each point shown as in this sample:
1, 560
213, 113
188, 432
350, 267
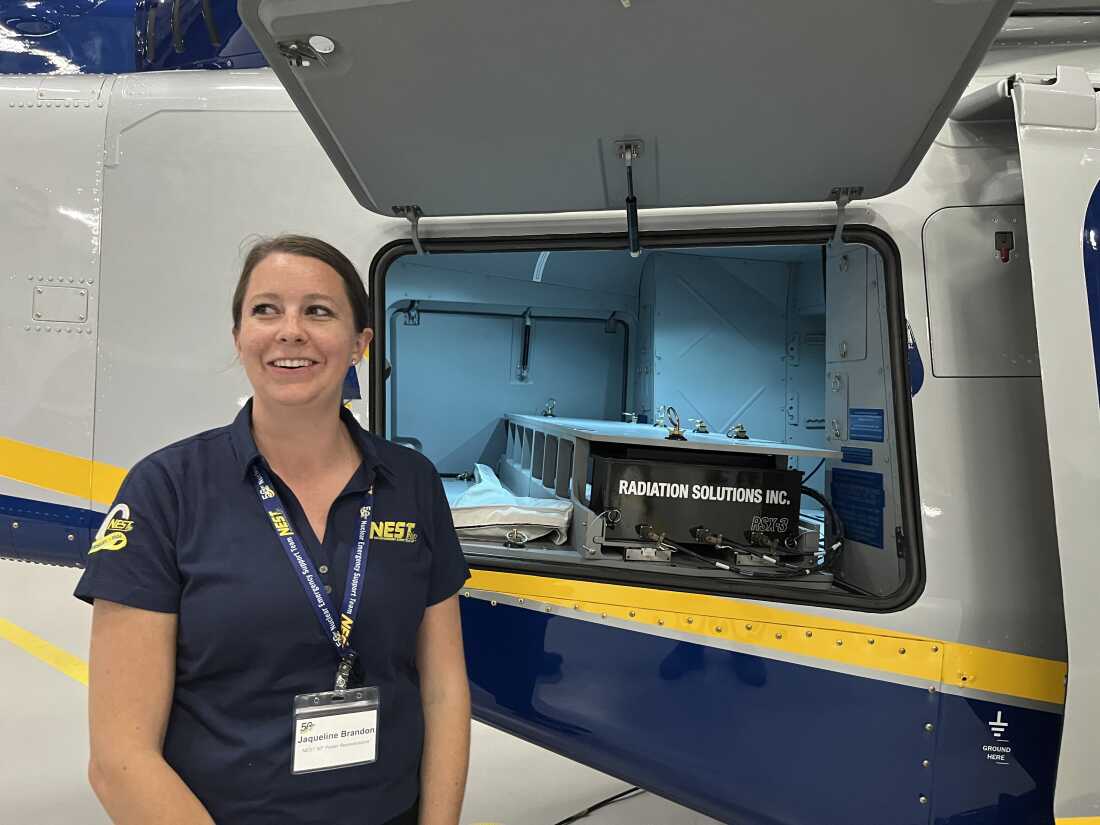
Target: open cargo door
497, 107
1059, 134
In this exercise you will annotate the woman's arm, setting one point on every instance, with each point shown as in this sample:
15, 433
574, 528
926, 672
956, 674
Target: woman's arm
131, 677
445, 693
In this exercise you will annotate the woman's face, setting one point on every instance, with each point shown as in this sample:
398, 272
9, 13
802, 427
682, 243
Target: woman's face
297, 335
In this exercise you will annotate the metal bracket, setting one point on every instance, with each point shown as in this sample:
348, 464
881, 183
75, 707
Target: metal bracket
299, 53
412, 213
843, 195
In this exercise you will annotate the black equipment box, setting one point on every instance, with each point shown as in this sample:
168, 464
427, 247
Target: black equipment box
744, 504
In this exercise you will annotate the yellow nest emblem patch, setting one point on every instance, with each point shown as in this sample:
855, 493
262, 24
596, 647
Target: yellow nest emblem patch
112, 532
404, 531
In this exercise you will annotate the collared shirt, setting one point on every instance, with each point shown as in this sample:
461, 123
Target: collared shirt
193, 539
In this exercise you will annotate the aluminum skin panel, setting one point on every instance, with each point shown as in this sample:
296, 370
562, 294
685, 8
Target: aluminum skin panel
189, 185
479, 108
49, 299
1062, 195
980, 308
730, 734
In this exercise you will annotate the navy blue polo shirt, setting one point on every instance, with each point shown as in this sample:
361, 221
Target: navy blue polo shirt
199, 543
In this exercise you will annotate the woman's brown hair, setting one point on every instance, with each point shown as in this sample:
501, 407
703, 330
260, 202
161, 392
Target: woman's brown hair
307, 247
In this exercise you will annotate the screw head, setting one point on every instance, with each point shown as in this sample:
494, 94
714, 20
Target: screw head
748, 627
718, 628
660, 621
809, 634
633, 613
71, 537
928, 726
38, 316
38, 291
840, 643
493, 603
15, 525
925, 764
690, 620
901, 650
935, 648
923, 799
779, 635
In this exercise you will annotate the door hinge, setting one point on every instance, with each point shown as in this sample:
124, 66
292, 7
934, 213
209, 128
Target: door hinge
842, 195
299, 53
412, 213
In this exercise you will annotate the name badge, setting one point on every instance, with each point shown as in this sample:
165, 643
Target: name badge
335, 729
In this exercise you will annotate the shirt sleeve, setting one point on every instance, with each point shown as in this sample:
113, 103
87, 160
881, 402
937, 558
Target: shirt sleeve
449, 568
132, 559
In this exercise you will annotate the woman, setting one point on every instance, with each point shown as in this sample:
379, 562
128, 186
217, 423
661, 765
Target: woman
275, 632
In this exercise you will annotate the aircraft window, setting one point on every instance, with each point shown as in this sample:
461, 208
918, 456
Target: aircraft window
710, 418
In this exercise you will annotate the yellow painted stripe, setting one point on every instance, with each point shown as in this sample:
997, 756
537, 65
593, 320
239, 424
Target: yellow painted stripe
106, 479
792, 631
997, 671
851, 643
1078, 820
72, 666
61, 472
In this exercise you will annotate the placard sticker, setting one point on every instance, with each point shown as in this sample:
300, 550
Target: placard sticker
866, 424
857, 455
860, 499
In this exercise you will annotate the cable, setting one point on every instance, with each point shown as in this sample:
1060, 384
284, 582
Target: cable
627, 794
814, 470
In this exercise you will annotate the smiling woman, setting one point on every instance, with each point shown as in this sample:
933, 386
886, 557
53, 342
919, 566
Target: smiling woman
300, 317
370, 660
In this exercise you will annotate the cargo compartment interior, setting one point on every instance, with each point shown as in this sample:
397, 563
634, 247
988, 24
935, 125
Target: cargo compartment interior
710, 415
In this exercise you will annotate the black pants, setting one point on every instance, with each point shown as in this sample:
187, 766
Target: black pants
409, 817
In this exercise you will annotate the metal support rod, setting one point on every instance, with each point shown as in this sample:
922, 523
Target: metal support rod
632, 212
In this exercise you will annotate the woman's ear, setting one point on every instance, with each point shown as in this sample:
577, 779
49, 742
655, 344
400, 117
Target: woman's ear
362, 341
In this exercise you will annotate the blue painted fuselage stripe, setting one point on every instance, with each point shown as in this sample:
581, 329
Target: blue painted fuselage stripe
1091, 236
753, 740
35, 530
59, 514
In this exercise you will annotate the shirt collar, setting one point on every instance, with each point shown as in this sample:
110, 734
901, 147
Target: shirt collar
244, 445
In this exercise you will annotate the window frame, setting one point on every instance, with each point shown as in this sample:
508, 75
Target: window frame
908, 540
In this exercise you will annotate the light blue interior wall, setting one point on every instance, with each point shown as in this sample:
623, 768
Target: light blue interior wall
709, 334
806, 365
719, 340
644, 404
454, 376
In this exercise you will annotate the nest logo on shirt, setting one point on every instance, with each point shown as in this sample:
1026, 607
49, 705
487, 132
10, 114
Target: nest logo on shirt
111, 534
404, 531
